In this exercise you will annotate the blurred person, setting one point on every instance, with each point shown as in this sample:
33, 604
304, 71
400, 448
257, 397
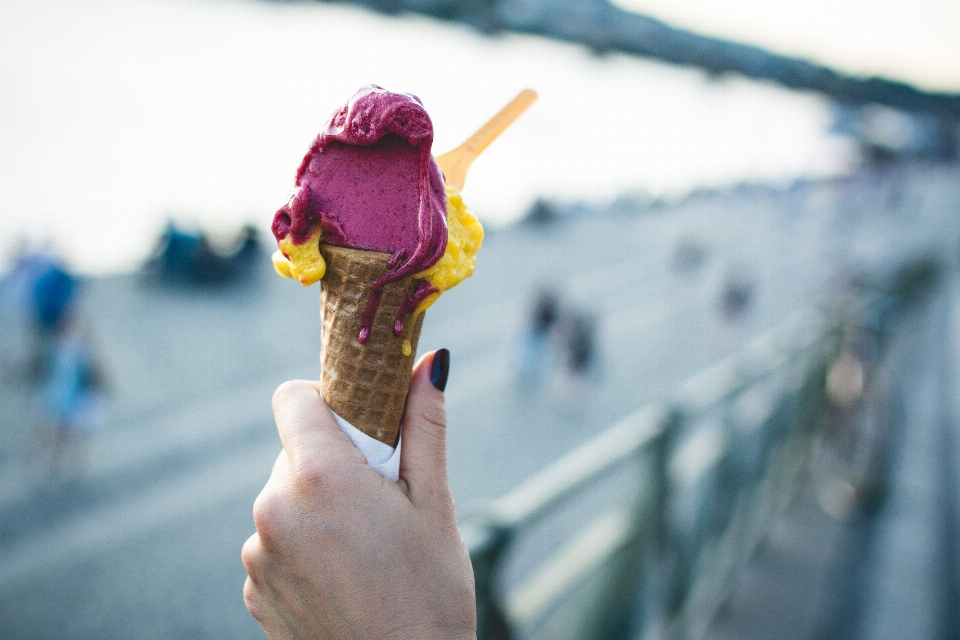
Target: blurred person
541, 212
341, 552
580, 344
735, 299
175, 252
541, 326
736, 296
689, 256
850, 453
35, 292
53, 293
70, 399
70, 402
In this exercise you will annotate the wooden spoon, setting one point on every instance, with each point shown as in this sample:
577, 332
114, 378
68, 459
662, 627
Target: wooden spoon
454, 164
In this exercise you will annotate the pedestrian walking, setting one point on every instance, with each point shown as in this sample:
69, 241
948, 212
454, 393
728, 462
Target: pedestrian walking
70, 400
536, 349
581, 344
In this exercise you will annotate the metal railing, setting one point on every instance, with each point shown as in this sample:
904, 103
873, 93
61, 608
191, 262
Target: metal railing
635, 533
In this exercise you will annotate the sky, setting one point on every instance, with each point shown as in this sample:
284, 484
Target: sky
116, 115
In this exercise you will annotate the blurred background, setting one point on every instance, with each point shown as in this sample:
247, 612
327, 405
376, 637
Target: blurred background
693, 176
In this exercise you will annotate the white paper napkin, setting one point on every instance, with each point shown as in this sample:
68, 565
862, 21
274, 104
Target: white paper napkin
382, 457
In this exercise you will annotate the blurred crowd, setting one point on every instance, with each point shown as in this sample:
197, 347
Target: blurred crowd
189, 257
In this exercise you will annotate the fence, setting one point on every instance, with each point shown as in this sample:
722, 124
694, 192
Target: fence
635, 533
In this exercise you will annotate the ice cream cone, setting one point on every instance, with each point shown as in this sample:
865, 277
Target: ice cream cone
366, 384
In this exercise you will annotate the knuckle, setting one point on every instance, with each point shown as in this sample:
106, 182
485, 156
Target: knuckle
250, 555
286, 392
268, 516
313, 473
251, 599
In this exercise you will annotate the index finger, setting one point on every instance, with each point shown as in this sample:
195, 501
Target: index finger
306, 424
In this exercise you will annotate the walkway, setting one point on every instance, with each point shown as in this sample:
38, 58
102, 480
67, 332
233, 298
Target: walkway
146, 544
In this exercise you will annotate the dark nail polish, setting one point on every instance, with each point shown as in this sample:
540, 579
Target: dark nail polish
440, 368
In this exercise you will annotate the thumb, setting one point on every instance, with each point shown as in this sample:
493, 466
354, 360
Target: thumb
423, 457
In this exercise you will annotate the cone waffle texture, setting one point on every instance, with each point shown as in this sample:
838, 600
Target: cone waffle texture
366, 384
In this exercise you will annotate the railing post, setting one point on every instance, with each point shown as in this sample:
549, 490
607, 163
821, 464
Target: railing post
669, 555
488, 542
621, 609
660, 578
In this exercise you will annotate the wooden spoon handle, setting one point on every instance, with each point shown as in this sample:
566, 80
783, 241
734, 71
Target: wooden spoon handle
455, 164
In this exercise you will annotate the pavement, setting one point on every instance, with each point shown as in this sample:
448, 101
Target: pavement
145, 541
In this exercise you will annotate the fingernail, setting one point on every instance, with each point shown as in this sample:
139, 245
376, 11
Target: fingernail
440, 368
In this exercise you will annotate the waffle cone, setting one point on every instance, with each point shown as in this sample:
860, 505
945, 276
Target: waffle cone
366, 384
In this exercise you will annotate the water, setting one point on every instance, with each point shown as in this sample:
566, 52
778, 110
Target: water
117, 115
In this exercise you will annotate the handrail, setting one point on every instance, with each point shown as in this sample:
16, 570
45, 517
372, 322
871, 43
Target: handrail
732, 442
491, 531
